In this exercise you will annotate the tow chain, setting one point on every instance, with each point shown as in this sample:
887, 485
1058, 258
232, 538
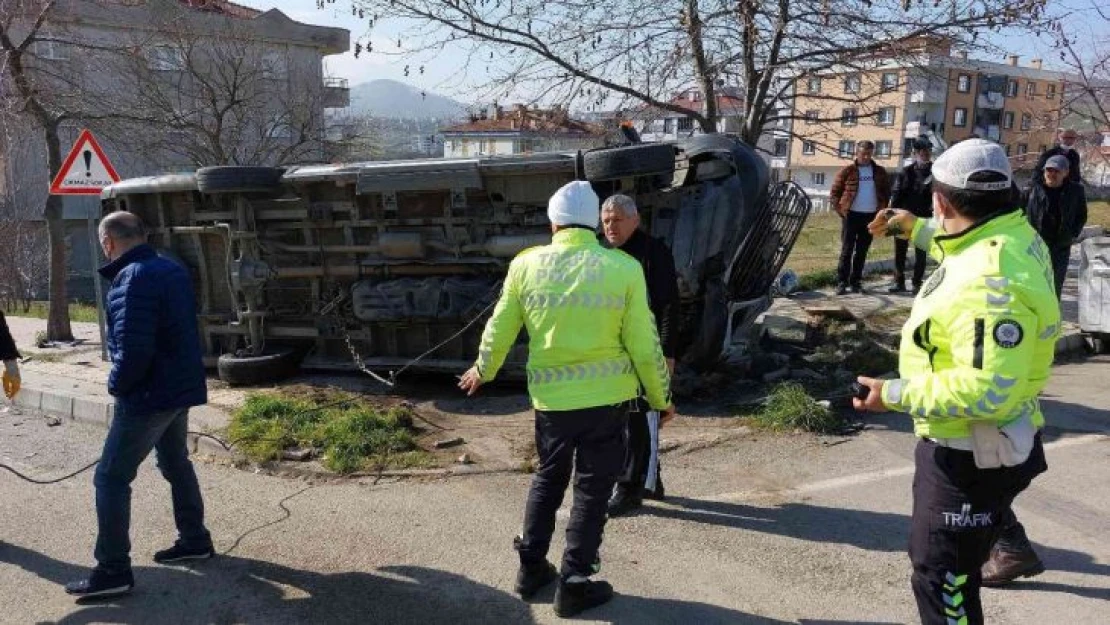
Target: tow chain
332, 309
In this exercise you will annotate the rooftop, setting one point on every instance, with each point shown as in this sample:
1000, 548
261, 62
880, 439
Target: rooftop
523, 120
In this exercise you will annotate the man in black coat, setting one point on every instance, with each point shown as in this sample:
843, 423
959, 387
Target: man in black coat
912, 191
1065, 148
9, 355
620, 222
1057, 209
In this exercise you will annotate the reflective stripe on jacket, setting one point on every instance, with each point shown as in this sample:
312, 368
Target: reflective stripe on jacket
592, 338
980, 340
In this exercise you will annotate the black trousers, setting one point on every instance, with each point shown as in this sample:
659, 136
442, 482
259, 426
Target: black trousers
1060, 257
854, 243
957, 511
901, 251
591, 443
638, 454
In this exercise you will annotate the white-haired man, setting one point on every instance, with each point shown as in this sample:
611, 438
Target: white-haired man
620, 221
592, 345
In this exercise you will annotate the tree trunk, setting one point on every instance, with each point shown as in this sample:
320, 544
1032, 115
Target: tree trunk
57, 320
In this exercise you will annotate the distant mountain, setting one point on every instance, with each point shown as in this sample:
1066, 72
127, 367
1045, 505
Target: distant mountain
390, 98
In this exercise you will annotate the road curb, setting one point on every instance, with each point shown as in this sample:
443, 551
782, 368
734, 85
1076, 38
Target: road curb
96, 412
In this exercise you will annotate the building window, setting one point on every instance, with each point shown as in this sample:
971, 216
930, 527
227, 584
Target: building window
963, 83
890, 81
851, 83
1011, 89
1031, 90
274, 66
811, 117
1022, 148
959, 117
781, 146
847, 149
849, 117
1050, 92
167, 59
1026, 121
50, 50
886, 116
668, 125
817, 178
1008, 120
809, 148
813, 85
883, 149
907, 148
1007, 146
685, 124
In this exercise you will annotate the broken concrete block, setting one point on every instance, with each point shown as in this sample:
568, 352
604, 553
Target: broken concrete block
299, 454
450, 442
785, 329
465, 459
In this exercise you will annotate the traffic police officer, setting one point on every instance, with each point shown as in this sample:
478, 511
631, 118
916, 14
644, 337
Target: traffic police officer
592, 345
976, 351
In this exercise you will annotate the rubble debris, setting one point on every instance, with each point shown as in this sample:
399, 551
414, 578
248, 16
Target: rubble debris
449, 442
297, 454
465, 459
830, 312
52, 421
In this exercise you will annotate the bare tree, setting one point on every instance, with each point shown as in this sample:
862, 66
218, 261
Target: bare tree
1085, 51
631, 53
217, 97
187, 88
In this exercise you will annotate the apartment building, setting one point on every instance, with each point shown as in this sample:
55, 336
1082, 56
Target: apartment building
99, 53
892, 102
519, 130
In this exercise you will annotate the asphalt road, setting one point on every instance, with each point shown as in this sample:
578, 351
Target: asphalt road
791, 529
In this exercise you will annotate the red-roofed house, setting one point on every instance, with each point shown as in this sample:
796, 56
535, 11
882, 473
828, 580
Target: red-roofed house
520, 130
656, 124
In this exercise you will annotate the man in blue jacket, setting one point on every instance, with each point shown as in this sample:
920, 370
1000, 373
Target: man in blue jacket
157, 375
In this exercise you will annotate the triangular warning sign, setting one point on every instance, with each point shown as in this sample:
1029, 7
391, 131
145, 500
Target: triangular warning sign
86, 169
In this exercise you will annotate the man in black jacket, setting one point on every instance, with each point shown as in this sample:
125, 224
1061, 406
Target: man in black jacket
9, 355
1065, 148
1057, 209
620, 222
912, 191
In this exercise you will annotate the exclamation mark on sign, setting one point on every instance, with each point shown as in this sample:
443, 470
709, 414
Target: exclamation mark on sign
88, 163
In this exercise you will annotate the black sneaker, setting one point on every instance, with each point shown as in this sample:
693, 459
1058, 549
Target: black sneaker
659, 493
897, 287
532, 579
571, 598
856, 288
177, 553
622, 502
916, 288
100, 585
842, 289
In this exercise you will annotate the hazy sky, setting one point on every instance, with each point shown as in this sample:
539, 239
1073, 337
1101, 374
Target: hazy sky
445, 74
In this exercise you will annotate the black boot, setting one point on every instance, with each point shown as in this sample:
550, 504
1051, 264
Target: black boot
916, 288
659, 493
573, 597
624, 501
531, 578
898, 286
1007, 566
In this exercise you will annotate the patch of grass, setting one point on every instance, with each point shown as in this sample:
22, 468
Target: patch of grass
352, 435
790, 407
817, 280
39, 310
1098, 214
818, 245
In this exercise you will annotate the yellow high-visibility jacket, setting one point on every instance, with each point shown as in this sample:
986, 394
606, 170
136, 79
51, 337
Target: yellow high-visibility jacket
591, 336
980, 340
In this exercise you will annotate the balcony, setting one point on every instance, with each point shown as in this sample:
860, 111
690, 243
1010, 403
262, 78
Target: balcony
337, 93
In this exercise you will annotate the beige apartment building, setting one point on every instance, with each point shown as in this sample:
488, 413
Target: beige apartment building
893, 102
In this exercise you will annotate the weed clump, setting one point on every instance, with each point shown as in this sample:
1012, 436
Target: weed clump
791, 407
351, 434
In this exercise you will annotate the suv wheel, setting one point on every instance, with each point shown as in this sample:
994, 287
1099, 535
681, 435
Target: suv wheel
633, 160
228, 179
